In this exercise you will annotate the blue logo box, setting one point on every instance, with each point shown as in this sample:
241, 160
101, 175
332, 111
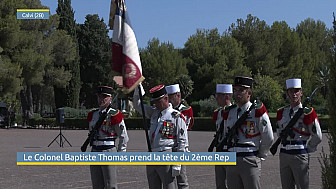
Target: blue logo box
32, 14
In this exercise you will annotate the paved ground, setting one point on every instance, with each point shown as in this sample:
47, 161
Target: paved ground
129, 177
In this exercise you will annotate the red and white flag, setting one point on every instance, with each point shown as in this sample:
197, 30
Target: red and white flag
125, 53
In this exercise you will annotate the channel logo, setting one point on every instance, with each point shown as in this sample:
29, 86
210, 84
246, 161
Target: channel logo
32, 14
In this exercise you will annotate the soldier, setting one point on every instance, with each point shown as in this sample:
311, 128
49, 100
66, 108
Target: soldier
105, 176
167, 133
223, 99
254, 137
294, 152
175, 99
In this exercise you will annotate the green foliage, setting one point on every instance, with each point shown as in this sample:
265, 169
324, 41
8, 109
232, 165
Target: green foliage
205, 107
95, 52
328, 161
75, 113
269, 92
10, 79
255, 37
161, 63
69, 95
215, 59
186, 85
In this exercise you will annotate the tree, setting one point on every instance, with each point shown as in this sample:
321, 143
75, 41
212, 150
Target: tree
70, 95
186, 85
9, 79
268, 91
254, 35
27, 44
215, 59
95, 53
161, 63
328, 161
315, 44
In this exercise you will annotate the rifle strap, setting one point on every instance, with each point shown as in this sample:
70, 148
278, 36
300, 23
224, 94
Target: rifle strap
295, 118
102, 117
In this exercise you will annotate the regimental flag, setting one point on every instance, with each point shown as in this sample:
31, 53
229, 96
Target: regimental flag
125, 53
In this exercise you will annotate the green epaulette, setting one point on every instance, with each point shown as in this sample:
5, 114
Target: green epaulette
307, 110
176, 114
258, 104
228, 108
113, 112
218, 109
185, 108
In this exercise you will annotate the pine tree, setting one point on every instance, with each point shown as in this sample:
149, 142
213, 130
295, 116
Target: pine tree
328, 162
70, 95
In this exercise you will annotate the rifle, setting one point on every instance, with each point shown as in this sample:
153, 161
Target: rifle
232, 132
288, 129
94, 131
216, 137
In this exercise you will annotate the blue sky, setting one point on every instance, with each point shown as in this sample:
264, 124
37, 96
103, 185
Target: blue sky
176, 20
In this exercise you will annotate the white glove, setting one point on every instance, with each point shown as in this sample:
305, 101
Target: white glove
142, 90
176, 170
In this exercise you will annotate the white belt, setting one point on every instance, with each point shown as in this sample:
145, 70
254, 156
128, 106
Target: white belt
160, 149
243, 149
103, 143
293, 146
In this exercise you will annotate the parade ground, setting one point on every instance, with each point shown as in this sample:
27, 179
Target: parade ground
15, 140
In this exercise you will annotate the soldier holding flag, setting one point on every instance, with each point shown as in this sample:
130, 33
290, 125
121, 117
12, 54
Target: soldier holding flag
167, 134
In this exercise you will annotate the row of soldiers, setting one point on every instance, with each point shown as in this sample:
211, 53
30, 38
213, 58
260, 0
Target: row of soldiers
170, 121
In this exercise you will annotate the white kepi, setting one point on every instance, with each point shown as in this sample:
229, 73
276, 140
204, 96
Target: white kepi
171, 89
293, 83
224, 88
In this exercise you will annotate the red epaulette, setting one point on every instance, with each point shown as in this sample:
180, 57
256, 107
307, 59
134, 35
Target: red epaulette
225, 114
309, 116
260, 111
116, 118
90, 115
188, 112
182, 116
215, 115
279, 114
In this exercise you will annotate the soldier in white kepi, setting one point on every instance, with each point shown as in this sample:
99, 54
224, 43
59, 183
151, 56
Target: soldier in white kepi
306, 135
113, 127
253, 138
174, 94
167, 134
223, 98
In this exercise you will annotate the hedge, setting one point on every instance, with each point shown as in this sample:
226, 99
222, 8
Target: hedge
201, 123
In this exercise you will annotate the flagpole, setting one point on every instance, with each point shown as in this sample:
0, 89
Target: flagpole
144, 120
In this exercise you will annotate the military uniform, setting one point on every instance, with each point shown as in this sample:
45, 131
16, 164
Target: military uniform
188, 114
167, 134
294, 152
220, 170
255, 137
217, 118
182, 180
113, 127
